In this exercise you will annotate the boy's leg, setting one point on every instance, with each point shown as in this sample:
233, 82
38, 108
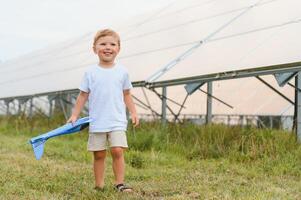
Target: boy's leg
118, 143
99, 167
118, 164
97, 144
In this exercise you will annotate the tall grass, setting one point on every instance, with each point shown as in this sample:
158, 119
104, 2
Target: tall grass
272, 149
276, 151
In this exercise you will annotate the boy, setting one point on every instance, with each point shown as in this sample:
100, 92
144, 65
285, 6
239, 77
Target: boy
107, 86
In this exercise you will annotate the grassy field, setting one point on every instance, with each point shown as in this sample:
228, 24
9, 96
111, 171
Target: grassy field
182, 161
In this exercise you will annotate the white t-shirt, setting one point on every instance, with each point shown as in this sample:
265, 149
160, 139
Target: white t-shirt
106, 104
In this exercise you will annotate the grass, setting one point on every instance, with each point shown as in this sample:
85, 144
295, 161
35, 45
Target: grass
176, 161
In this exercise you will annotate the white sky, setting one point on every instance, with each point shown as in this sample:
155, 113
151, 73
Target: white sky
29, 25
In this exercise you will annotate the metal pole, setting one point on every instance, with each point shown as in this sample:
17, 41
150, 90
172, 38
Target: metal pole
148, 103
164, 104
30, 108
241, 120
63, 108
19, 107
50, 106
298, 105
209, 103
7, 107
69, 105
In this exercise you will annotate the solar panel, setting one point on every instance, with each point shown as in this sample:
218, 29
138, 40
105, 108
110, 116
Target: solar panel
252, 35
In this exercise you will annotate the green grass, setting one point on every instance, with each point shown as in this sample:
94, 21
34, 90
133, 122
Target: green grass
182, 161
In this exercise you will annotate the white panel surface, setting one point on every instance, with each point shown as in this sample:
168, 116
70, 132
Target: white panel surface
266, 34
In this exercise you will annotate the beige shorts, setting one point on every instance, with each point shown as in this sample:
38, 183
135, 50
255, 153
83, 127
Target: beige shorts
100, 141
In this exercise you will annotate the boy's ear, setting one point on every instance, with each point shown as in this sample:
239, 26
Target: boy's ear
94, 49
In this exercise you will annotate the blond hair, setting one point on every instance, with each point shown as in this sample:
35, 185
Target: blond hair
104, 33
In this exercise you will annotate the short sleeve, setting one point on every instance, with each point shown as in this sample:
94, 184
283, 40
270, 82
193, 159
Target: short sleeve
84, 85
127, 83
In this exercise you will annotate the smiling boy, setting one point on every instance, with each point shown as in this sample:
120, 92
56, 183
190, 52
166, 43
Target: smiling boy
107, 87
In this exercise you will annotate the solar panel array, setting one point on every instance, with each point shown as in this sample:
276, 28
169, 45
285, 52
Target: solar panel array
187, 38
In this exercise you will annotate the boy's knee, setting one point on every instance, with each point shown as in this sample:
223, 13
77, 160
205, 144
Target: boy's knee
117, 152
99, 155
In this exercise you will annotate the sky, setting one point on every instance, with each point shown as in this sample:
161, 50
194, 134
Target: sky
26, 26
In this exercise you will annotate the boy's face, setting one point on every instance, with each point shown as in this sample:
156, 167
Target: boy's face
107, 49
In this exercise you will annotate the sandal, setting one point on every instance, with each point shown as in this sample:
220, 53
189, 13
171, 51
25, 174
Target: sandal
123, 188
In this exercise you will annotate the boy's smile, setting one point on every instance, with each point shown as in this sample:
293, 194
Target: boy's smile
107, 49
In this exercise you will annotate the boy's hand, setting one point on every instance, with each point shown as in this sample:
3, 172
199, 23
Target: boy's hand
135, 120
72, 119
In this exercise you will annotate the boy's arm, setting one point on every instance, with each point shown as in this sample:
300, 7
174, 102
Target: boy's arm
79, 104
128, 100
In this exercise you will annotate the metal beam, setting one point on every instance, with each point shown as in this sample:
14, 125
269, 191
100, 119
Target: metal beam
147, 101
179, 112
209, 103
298, 106
167, 98
219, 100
164, 104
161, 97
153, 111
55, 93
191, 88
293, 86
255, 71
275, 90
7, 102
31, 108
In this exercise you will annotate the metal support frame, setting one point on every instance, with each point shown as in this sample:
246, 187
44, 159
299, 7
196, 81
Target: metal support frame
284, 78
50, 107
62, 104
256, 71
161, 97
30, 108
298, 106
179, 112
51, 99
168, 99
147, 101
192, 87
14, 107
294, 86
209, 103
19, 107
2, 107
69, 104
164, 105
218, 99
7, 102
274, 89
21, 102
152, 110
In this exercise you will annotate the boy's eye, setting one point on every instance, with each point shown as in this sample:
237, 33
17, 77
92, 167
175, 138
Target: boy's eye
113, 44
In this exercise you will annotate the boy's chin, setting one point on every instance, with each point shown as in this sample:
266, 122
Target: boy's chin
106, 59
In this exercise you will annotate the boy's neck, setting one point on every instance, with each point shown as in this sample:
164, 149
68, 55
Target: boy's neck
106, 64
